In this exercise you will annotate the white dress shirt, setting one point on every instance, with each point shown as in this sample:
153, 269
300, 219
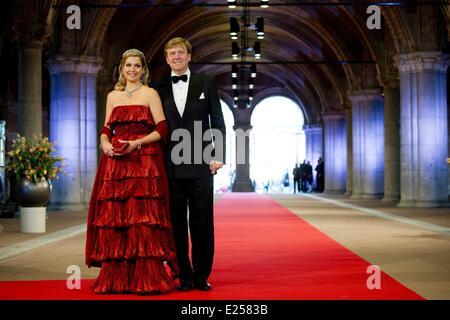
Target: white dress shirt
180, 91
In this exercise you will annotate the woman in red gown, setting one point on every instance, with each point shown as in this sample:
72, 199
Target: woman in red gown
129, 233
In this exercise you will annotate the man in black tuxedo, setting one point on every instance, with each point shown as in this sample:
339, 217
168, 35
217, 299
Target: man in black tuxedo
191, 106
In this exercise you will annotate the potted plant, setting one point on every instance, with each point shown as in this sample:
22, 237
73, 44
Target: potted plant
32, 165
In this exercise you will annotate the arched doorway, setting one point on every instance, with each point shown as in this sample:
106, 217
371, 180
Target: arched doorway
277, 143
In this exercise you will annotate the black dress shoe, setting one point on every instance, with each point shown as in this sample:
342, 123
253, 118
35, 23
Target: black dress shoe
202, 285
185, 285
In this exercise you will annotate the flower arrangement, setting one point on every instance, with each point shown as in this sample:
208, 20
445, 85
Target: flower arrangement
32, 159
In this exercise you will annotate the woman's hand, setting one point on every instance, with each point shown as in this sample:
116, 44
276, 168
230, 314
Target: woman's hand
131, 145
107, 148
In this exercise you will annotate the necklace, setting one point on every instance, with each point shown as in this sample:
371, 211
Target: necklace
130, 92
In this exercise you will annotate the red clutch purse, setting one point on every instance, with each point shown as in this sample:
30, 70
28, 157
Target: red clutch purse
120, 147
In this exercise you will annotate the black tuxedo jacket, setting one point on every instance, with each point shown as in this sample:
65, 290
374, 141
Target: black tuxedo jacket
202, 112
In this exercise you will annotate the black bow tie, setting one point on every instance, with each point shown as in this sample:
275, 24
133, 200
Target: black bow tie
183, 78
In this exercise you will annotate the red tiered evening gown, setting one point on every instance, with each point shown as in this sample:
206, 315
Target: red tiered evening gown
129, 230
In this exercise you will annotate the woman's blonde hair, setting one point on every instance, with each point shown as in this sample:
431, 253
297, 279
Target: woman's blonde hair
122, 82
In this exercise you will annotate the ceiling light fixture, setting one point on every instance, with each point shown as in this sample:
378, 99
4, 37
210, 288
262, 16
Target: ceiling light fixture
235, 50
231, 4
257, 50
264, 3
253, 70
234, 28
259, 28
234, 70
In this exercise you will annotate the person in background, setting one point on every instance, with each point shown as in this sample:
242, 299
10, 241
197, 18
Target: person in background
320, 176
309, 178
296, 175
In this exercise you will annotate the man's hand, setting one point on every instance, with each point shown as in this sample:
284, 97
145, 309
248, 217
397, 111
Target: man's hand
215, 165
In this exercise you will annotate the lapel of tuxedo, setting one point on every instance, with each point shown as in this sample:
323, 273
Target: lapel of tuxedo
169, 101
194, 92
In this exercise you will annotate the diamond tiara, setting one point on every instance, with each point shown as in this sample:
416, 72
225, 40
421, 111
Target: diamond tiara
133, 51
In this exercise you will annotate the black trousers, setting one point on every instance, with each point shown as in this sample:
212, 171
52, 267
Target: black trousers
296, 185
303, 184
197, 195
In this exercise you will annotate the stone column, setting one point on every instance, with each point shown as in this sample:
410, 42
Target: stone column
391, 141
314, 146
348, 123
242, 182
335, 157
3, 184
423, 129
29, 27
73, 125
368, 144
30, 88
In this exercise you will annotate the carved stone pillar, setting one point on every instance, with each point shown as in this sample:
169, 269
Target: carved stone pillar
29, 30
30, 89
348, 123
368, 144
73, 111
423, 127
391, 141
242, 182
314, 145
335, 158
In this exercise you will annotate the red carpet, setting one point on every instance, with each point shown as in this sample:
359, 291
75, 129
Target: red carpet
263, 252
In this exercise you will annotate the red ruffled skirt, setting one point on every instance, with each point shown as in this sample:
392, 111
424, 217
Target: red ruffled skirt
133, 235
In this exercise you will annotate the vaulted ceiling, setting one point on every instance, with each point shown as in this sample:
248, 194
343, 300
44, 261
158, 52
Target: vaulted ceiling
303, 53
